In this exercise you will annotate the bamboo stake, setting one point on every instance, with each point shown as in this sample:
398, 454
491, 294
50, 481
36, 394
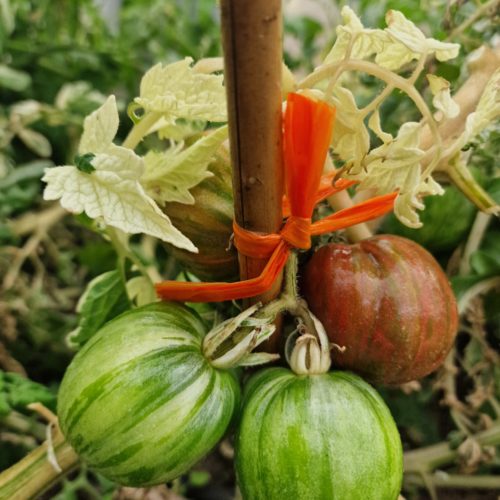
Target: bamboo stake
251, 34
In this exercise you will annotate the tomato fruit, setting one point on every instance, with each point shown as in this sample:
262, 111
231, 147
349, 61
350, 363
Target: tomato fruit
209, 225
140, 403
387, 301
316, 437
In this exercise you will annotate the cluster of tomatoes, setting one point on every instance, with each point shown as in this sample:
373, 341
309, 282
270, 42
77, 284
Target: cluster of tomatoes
142, 403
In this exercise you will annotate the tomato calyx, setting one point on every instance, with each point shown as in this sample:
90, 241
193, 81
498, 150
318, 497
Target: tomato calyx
308, 348
231, 343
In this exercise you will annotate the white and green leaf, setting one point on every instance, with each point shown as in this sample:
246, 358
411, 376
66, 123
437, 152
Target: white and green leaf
366, 42
108, 187
442, 99
141, 290
395, 165
351, 140
169, 175
402, 30
487, 111
178, 91
398, 44
100, 128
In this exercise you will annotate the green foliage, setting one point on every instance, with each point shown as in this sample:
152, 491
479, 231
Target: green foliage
104, 298
16, 392
59, 59
446, 222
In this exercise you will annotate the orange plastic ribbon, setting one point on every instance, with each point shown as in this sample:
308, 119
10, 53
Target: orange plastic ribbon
308, 127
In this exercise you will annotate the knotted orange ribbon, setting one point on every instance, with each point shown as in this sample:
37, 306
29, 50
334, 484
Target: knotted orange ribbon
308, 126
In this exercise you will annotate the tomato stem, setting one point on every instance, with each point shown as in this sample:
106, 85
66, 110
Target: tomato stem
40, 469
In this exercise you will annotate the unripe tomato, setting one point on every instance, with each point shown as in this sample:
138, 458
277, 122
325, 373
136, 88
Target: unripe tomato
140, 403
387, 301
316, 437
209, 225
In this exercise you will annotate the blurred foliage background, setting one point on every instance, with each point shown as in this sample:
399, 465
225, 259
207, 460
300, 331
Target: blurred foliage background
59, 59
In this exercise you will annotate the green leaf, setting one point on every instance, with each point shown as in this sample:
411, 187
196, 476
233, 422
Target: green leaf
7, 17
25, 172
104, 298
113, 191
461, 284
486, 260
199, 478
16, 392
13, 79
36, 142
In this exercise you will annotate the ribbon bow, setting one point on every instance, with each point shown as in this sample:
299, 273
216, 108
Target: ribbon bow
308, 126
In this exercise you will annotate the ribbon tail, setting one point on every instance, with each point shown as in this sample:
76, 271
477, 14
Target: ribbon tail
219, 291
362, 212
326, 188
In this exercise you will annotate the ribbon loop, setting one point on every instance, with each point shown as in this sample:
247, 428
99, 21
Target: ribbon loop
297, 232
253, 244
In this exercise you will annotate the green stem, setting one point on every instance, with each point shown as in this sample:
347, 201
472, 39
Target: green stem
474, 241
431, 457
35, 473
480, 11
463, 179
124, 253
443, 480
140, 130
24, 425
289, 297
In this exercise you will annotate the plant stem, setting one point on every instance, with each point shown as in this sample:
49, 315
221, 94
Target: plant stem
23, 424
35, 473
140, 130
480, 11
474, 240
431, 457
341, 200
463, 179
478, 289
356, 233
443, 480
44, 222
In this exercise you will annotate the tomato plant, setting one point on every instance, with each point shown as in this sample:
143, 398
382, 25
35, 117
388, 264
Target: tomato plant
386, 120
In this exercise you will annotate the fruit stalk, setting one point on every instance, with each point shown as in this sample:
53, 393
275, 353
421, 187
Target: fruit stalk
40, 469
251, 33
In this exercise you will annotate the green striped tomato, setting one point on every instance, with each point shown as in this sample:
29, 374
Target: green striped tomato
387, 301
140, 403
208, 224
316, 437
